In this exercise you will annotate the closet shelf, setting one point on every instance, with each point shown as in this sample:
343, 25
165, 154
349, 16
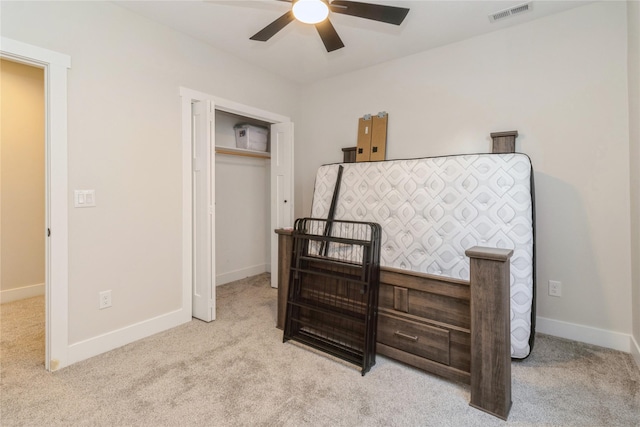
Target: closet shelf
233, 151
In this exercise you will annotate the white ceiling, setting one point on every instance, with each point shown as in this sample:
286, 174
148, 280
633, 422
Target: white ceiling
297, 53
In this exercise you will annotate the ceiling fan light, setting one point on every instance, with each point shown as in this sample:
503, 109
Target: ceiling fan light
310, 11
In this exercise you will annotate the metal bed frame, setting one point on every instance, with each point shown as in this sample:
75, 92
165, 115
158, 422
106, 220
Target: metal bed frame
332, 303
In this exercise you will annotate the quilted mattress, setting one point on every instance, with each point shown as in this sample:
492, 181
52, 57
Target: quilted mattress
431, 210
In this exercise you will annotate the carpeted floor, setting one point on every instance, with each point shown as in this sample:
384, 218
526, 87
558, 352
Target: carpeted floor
237, 372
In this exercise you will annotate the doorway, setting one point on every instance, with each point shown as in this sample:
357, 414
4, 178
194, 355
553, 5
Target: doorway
55, 66
22, 179
281, 189
22, 210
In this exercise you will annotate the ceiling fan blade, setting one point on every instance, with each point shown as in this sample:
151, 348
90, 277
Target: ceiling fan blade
329, 36
270, 30
377, 12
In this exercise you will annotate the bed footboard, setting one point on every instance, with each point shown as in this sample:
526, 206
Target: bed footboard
453, 328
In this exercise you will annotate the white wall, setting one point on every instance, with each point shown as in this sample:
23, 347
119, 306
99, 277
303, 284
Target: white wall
561, 81
124, 142
633, 10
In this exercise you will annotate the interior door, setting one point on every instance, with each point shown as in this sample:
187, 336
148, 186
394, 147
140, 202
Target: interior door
203, 187
281, 187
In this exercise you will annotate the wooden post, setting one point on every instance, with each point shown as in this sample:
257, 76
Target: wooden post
285, 250
504, 142
490, 330
349, 154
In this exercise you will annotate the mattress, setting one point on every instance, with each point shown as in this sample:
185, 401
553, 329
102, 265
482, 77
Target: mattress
431, 210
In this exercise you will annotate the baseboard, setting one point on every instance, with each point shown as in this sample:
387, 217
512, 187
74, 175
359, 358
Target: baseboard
635, 351
101, 344
586, 334
232, 276
21, 293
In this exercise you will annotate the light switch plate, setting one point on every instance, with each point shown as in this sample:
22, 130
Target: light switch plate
84, 198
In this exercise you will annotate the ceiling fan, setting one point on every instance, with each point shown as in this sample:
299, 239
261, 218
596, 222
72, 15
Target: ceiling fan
316, 12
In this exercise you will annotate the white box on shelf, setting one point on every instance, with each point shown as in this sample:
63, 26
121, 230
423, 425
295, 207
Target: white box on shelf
251, 137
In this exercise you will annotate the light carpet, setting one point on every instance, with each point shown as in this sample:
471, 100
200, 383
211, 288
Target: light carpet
236, 371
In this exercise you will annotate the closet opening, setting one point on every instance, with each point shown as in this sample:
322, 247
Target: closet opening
243, 197
234, 197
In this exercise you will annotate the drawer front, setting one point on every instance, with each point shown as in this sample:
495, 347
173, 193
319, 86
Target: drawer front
413, 337
440, 308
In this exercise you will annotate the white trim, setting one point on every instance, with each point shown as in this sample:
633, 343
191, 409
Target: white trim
111, 340
223, 104
57, 246
28, 54
586, 334
187, 97
635, 351
193, 95
10, 295
187, 249
247, 111
234, 275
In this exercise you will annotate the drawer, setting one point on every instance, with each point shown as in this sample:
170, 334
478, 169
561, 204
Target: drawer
452, 310
414, 337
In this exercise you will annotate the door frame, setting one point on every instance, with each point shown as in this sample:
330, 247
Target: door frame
55, 66
187, 97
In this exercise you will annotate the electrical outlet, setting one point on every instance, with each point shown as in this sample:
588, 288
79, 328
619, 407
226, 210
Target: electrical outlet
555, 288
105, 299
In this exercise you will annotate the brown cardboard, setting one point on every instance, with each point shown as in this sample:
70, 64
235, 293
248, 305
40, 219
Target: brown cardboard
379, 137
363, 148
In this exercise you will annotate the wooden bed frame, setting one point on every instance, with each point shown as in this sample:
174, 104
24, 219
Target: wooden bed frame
456, 329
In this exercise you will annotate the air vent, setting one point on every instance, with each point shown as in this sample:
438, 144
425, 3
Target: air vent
515, 10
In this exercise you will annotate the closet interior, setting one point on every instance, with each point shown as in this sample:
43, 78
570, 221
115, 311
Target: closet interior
242, 209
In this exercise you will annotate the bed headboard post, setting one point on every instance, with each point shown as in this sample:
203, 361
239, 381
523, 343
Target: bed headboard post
504, 142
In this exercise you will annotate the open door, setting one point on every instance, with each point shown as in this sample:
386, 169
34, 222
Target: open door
281, 187
203, 229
